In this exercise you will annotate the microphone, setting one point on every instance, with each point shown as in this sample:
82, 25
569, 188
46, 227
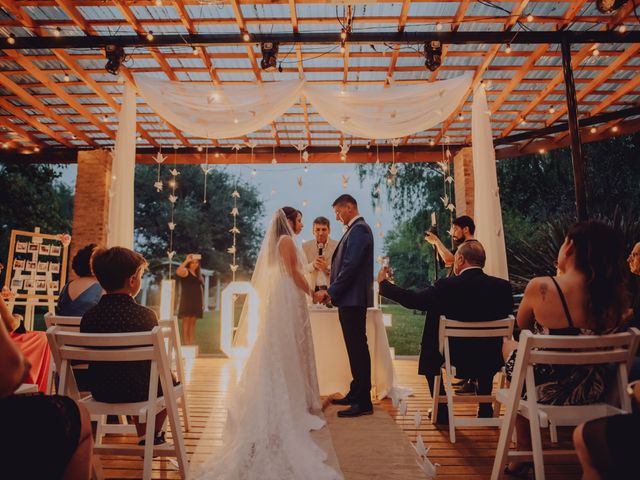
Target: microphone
320, 248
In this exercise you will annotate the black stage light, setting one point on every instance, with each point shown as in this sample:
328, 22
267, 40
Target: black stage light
433, 55
269, 62
115, 57
608, 6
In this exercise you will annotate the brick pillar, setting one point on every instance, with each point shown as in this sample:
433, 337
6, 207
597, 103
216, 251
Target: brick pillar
91, 200
463, 177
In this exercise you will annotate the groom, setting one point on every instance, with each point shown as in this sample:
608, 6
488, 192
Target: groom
351, 290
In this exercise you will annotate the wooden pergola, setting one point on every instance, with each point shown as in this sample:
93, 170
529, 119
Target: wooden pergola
556, 73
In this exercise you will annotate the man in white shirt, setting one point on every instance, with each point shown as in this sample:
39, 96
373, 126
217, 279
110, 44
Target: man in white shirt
318, 253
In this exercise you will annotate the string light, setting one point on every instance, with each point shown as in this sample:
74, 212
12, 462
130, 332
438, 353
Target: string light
66, 77
508, 48
461, 117
529, 18
595, 52
343, 34
36, 149
593, 129
438, 27
614, 129
552, 110
158, 3
150, 35
246, 37
622, 28
542, 151
195, 50
11, 39
57, 32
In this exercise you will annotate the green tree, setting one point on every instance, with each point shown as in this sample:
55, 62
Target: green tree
32, 196
200, 227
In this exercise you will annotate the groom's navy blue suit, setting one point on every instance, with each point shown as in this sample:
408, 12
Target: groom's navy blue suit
351, 290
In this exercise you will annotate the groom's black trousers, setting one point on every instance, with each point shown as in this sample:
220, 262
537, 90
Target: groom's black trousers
353, 321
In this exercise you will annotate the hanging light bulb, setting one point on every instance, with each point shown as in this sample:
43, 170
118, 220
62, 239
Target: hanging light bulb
274, 160
342, 48
460, 117
529, 18
57, 32
595, 52
66, 77
199, 148
432, 142
235, 120
343, 34
508, 48
593, 129
246, 37
306, 169
614, 129
195, 50
552, 110
149, 35
622, 28
438, 26
11, 39
36, 149
158, 3
254, 172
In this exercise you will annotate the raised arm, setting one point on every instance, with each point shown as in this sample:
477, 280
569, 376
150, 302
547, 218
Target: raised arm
288, 253
445, 254
182, 271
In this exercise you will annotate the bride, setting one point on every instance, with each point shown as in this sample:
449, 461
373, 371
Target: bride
276, 403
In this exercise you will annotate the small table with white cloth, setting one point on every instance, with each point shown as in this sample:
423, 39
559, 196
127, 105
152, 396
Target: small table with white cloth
332, 362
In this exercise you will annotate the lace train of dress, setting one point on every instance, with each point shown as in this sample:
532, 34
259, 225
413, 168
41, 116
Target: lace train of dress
275, 404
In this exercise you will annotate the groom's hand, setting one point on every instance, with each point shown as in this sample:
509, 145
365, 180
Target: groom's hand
383, 274
321, 296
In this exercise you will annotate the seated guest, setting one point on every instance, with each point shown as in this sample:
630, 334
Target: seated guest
470, 296
33, 345
84, 291
587, 297
119, 271
607, 447
52, 430
634, 268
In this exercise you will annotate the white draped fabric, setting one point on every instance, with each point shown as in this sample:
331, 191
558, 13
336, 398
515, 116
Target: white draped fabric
231, 112
487, 211
392, 112
207, 112
120, 230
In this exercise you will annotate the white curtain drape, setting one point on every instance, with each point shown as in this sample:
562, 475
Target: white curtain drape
207, 112
392, 112
120, 230
231, 112
487, 211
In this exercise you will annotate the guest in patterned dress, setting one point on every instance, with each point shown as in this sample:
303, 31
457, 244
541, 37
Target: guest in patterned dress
587, 297
119, 271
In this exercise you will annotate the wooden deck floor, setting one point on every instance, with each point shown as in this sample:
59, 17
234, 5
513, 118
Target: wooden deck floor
470, 458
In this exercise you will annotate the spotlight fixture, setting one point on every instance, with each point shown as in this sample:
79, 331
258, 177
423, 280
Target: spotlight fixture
608, 6
11, 39
269, 62
433, 55
115, 57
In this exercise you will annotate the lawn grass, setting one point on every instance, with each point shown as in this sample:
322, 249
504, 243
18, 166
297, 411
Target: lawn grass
405, 332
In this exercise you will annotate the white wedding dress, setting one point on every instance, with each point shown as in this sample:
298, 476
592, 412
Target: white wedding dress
275, 404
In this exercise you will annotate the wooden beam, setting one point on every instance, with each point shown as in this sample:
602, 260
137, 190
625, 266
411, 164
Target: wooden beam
26, 97
26, 137
23, 18
74, 14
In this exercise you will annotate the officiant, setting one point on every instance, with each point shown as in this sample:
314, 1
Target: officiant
318, 253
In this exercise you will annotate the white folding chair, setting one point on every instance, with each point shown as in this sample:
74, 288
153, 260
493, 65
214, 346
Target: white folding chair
478, 330
119, 347
71, 324
176, 362
616, 349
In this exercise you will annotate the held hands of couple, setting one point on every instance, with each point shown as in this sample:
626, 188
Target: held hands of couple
321, 296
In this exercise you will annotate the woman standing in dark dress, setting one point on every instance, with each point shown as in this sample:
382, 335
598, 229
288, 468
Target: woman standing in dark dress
191, 297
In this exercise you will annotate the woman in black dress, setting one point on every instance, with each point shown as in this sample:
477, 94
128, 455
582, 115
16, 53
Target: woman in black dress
191, 297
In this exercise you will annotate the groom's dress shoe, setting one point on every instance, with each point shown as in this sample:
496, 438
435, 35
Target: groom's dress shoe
341, 401
356, 411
